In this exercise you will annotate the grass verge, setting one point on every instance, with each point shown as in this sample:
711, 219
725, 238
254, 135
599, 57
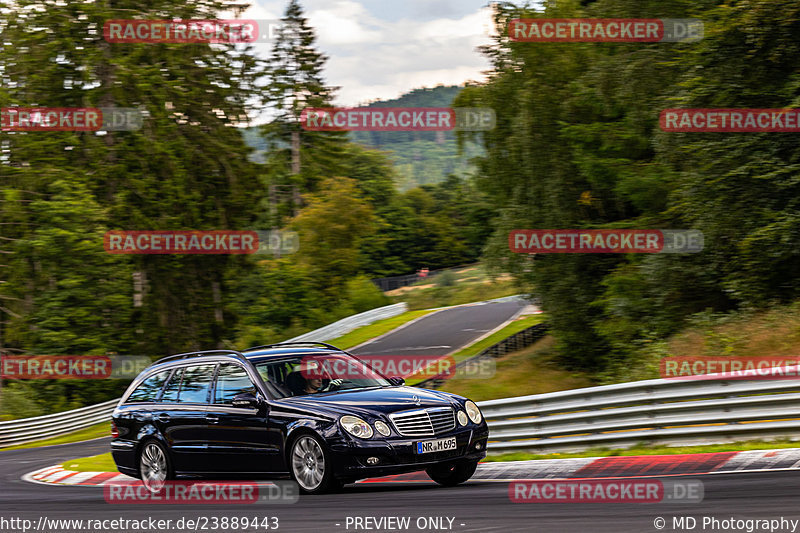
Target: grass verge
363, 334
515, 327
459, 286
95, 463
103, 429
532, 370
738, 446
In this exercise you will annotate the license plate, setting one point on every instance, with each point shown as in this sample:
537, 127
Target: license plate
441, 445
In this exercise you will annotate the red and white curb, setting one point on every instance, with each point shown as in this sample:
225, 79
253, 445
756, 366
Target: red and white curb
57, 475
579, 468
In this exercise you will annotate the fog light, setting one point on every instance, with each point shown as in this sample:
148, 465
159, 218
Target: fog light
477, 445
372, 460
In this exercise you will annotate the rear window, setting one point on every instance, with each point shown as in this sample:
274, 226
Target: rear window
232, 380
196, 384
148, 390
173, 386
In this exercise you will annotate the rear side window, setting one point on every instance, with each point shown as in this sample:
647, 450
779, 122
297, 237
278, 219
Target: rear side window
173, 386
196, 384
148, 390
232, 380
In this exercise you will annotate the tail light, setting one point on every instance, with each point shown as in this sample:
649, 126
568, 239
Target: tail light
114, 430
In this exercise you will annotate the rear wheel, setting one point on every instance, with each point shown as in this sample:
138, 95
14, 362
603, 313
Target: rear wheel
311, 466
450, 474
154, 466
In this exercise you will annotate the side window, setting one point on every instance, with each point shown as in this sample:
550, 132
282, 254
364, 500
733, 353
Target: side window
148, 390
173, 386
196, 384
231, 380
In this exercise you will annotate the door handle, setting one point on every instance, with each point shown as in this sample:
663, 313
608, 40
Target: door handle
212, 419
163, 417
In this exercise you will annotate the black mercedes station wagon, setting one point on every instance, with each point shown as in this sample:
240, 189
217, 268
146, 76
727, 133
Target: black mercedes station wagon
306, 410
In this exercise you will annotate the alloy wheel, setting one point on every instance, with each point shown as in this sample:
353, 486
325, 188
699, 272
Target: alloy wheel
153, 467
308, 463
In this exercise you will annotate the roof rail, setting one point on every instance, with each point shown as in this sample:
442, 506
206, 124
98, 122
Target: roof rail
331, 346
186, 355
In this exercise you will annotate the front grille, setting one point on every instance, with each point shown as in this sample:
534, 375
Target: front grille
424, 422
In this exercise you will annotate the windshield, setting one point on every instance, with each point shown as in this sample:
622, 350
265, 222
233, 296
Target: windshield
318, 373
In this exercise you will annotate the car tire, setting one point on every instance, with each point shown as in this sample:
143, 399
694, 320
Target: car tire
155, 466
451, 474
310, 465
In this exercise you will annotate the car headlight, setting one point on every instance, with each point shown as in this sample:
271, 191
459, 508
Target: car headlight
356, 427
473, 412
462, 418
382, 428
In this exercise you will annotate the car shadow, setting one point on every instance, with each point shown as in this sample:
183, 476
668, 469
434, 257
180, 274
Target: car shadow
417, 486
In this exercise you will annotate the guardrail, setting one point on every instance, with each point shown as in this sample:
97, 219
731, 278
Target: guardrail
658, 411
348, 324
517, 341
26, 430
41, 427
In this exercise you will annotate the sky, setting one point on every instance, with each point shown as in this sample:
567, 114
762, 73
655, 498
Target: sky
380, 49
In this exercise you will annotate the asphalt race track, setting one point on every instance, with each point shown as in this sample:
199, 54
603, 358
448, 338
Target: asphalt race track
443, 331
478, 505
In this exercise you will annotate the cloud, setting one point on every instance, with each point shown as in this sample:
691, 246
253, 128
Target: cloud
372, 56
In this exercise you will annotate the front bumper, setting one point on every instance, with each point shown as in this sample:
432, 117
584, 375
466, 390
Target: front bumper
397, 455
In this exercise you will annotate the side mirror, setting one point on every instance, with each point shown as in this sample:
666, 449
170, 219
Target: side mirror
397, 381
245, 399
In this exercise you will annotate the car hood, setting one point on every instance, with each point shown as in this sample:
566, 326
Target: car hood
374, 401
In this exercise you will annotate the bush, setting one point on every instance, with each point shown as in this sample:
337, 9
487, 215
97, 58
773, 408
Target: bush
446, 279
362, 295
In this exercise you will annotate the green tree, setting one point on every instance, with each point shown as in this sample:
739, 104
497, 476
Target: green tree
294, 82
331, 227
187, 168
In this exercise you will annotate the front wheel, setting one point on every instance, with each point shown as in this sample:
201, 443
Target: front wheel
311, 467
450, 474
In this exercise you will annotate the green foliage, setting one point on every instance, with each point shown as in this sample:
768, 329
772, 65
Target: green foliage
433, 227
362, 295
460, 293
294, 82
445, 279
577, 145
331, 228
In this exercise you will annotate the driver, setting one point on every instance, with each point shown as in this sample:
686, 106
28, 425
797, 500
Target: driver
315, 385
314, 381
